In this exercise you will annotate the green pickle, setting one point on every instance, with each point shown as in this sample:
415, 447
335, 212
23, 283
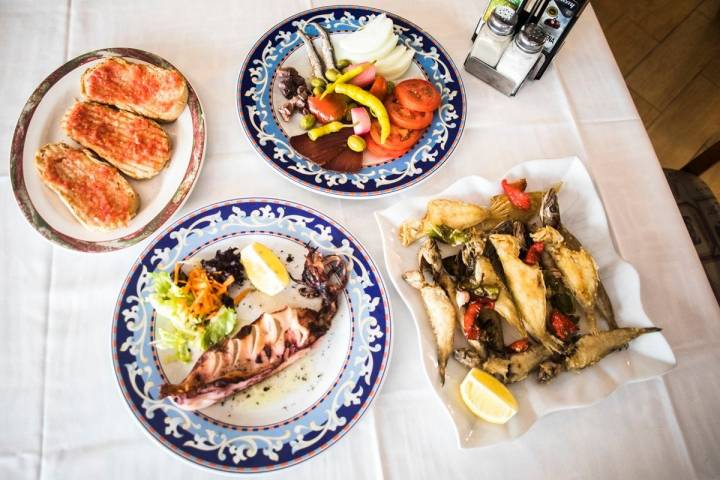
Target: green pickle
342, 64
317, 91
318, 82
307, 121
356, 143
331, 74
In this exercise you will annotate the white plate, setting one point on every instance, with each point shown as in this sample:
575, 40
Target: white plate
40, 124
583, 214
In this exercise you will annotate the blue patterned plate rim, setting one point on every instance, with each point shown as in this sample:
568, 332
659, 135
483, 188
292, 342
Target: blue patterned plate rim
259, 123
183, 434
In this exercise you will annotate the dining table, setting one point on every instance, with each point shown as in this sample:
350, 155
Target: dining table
63, 416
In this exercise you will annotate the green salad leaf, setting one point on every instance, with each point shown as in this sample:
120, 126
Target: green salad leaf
172, 302
219, 326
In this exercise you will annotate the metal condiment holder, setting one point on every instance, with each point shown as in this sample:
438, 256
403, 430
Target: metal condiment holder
492, 77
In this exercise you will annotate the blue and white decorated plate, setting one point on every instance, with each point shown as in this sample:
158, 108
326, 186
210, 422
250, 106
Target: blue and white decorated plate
298, 412
259, 98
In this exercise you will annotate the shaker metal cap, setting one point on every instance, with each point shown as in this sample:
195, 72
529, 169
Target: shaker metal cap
531, 38
502, 22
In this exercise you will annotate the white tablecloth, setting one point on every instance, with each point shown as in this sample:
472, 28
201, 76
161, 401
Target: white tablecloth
61, 413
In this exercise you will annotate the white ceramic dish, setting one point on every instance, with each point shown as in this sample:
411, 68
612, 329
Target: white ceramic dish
583, 214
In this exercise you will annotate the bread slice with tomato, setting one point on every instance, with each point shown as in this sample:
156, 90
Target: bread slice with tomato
154, 92
97, 195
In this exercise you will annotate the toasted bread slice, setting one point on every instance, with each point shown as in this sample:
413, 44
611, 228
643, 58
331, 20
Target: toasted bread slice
138, 147
95, 192
154, 92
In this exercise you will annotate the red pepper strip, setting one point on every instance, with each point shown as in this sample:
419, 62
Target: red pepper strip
517, 197
470, 329
519, 345
533, 253
562, 326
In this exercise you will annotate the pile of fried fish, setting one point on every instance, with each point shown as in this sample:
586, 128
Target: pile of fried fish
514, 267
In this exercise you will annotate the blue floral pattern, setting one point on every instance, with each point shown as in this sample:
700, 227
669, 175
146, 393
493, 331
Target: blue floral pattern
249, 449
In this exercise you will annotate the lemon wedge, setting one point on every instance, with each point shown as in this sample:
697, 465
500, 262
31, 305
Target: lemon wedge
264, 269
487, 397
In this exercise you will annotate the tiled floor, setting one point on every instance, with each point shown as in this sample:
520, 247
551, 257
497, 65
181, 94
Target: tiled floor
669, 54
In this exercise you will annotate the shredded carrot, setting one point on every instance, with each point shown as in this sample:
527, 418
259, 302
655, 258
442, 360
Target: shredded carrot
239, 297
207, 292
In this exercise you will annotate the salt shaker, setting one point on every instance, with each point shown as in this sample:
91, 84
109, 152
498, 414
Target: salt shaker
494, 36
523, 52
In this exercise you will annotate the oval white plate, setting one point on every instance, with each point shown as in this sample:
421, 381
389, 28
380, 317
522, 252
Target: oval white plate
583, 214
40, 124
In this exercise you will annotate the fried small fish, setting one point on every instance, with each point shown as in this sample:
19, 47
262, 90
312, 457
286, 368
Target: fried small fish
578, 268
528, 290
441, 314
590, 349
454, 214
550, 216
516, 367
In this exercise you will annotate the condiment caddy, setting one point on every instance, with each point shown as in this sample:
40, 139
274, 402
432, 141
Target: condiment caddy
517, 39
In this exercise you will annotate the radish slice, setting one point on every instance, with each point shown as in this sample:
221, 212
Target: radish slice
361, 120
365, 78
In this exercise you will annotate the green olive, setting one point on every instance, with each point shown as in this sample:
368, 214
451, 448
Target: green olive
331, 74
307, 121
348, 115
356, 143
317, 91
351, 105
341, 64
390, 88
318, 82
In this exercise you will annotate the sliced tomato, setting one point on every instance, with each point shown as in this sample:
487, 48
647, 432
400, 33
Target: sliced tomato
406, 118
399, 138
380, 151
379, 87
417, 94
329, 109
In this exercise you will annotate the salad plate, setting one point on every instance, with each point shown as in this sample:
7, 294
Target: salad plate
40, 123
259, 99
292, 415
583, 214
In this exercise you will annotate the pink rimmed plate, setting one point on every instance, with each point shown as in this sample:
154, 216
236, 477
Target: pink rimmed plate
40, 124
